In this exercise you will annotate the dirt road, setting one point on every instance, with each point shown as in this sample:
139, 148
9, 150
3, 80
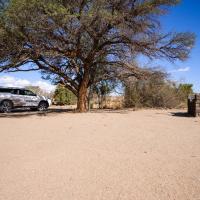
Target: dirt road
141, 155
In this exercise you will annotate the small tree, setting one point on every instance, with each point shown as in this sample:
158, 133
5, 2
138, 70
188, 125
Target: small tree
102, 90
63, 96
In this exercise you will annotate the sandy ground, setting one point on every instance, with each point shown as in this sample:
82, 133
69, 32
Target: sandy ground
141, 155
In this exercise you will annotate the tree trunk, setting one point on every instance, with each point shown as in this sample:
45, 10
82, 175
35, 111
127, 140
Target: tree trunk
82, 94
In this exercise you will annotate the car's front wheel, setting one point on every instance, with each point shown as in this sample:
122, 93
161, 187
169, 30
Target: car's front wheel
6, 106
43, 106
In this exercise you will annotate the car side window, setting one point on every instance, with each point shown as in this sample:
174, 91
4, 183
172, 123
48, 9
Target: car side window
21, 92
15, 91
4, 90
29, 93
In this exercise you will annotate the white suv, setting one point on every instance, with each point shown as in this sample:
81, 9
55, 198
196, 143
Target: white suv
11, 98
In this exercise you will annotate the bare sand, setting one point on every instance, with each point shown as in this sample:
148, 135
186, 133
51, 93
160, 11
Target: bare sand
122, 155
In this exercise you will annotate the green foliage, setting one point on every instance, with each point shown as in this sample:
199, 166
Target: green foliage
63, 96
184, 90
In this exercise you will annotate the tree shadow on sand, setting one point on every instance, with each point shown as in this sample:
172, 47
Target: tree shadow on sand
55, 111
29, 113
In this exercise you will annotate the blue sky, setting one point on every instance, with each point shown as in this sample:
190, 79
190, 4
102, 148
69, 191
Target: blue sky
185, 17
181, 18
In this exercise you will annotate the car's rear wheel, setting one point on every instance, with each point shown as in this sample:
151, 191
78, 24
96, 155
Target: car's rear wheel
6, 106
43, 106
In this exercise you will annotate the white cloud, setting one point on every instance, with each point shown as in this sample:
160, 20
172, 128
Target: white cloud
44, 86
185, 69
9, 81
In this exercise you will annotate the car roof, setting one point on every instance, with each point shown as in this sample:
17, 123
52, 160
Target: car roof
3, 87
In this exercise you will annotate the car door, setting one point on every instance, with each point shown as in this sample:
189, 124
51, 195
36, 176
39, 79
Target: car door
17, 98
30, 99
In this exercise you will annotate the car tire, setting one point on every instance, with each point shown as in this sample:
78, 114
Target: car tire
6, 106
43, 106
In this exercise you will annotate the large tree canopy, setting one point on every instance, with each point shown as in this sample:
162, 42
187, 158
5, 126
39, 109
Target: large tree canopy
81, 42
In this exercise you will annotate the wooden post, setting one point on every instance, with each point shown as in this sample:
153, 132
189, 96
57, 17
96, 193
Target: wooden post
194, 106
197, 105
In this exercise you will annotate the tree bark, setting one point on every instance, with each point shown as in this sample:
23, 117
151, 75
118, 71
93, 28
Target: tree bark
82, 94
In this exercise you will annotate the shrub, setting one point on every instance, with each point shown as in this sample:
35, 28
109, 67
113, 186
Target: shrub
156, 92
63, 96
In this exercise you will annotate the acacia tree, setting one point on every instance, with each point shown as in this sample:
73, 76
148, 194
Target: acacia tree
80, 42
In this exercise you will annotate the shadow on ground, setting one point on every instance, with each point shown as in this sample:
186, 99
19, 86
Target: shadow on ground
28, 113
54, 111
180, 114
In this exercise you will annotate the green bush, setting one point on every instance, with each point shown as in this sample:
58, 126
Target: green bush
63, 96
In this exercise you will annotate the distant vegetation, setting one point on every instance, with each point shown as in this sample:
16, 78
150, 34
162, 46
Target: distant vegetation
37, 90
156, 92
